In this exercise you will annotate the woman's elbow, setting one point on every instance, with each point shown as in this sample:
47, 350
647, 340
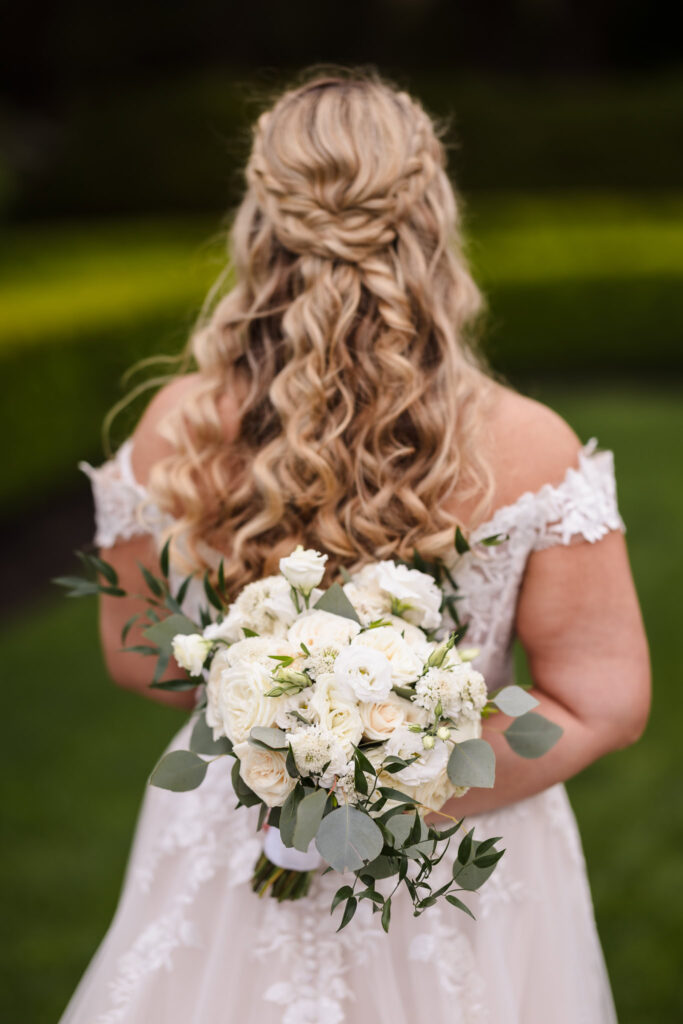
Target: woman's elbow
631, 710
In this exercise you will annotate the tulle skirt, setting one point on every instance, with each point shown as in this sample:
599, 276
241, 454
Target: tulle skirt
190, 943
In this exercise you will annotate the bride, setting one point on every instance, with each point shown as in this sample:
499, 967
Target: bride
339, 401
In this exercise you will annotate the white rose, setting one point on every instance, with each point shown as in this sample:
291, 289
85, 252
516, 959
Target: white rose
365, 670
297, 702
303, 569
381, 718
433, 795
416, 591
413, 634
236, 697
406, 663
265, 772
430, 764
190, 651
334, 711
320, 630
261, 649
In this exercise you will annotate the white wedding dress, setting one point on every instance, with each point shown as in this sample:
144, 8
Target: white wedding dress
190, 942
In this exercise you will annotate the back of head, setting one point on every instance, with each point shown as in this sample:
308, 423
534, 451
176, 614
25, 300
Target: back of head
347, 335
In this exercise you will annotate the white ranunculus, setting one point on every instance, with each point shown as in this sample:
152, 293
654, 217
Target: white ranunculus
381, 718
303, 569
365, 670
265, 772
190, 651
430, 764
415, 590
406, 663
264, 607
320, 630
335, 709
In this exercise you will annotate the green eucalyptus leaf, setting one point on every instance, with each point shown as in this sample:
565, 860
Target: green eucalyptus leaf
347, 839
308, 817
514, 701
472, 763
179, 771
162, 633
244, 794
288, 814
532, 735
271, 739
469, 875
202, 741
334, 600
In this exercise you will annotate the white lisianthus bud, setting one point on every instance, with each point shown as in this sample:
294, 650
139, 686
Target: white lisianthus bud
190, 651
303, 569
428, 742
286, 674
469, 653
443, 732
436, 658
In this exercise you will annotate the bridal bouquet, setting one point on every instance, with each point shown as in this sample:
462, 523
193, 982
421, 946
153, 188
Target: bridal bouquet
348, 713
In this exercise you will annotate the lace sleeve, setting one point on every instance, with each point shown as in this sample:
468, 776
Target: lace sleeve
584, 505
122, 506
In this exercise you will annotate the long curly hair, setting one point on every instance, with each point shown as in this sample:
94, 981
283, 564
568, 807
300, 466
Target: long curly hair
350, 331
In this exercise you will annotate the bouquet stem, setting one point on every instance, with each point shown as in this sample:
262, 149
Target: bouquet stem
282, 883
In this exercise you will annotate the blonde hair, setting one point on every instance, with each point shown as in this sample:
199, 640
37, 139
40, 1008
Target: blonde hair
351, 323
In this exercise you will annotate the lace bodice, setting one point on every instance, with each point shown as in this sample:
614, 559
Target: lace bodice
583, 506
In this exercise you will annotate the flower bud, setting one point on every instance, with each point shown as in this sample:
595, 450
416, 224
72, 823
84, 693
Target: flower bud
285, 674
443, 732
428, 742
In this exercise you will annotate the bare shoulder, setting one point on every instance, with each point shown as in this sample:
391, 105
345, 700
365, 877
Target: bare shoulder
529, 444
149, 443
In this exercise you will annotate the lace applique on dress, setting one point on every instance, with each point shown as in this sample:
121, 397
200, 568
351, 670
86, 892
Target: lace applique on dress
122, 506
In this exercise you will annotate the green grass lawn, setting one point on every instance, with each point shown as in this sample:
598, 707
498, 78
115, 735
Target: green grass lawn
78, 751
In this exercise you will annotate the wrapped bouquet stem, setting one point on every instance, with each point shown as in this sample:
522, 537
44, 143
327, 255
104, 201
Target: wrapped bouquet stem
345, 715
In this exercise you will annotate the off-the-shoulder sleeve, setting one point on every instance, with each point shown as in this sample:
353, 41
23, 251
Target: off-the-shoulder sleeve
584, 506
122, 506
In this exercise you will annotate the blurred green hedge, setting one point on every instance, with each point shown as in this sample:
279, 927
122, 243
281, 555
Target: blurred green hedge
577, 284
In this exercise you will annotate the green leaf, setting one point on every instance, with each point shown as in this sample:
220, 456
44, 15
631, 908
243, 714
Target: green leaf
162, 633
410, 835
349, 911
494, 539
174, 685
461, 543
179, 771
454, 901
334, 600
211, 594
472, 763
347, 839
309, 814
271, 739
487, 859
532, 735
248, 632
340, 894
288, 814
396, 794
364, 762
182, 589
202, 741
386, 914
244, 794
163, 559
128, 626
514, 701
152, 582
381, 867
465, 848
469, 876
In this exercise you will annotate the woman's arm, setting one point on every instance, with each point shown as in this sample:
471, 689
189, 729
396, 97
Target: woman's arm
579, 622
135, 671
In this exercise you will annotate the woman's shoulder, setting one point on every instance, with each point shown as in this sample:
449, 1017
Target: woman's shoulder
151, 440
529, 445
